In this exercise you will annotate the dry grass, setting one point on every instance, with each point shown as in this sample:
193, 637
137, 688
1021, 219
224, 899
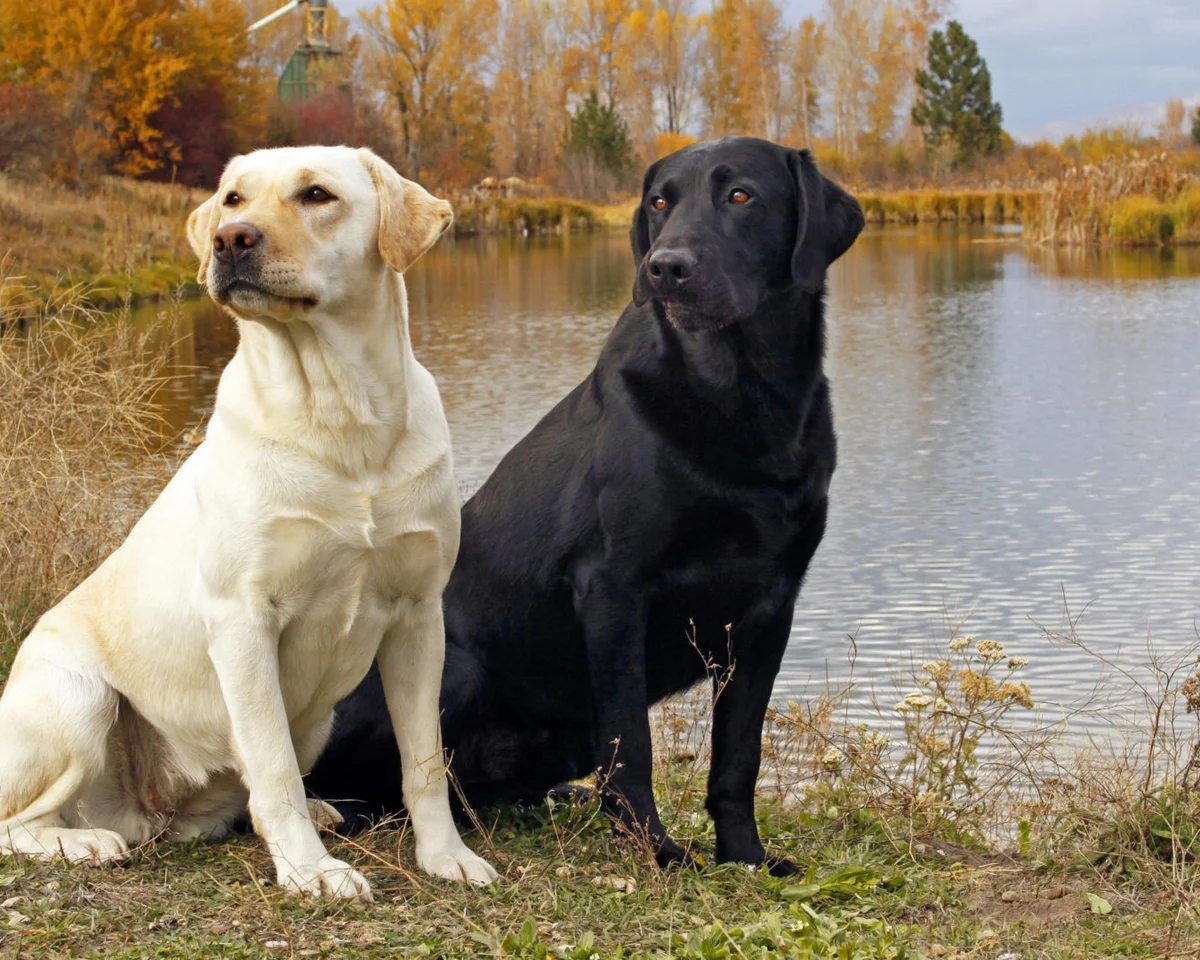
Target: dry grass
81, 439
523, 215
937, 206
1144, 201
125, 238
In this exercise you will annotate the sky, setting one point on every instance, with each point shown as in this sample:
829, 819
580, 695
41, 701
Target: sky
1066, 60
1073, 60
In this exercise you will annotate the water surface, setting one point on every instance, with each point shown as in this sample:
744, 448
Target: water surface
1019, 434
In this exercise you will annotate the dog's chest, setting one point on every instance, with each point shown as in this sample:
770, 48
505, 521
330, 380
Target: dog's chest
363, 566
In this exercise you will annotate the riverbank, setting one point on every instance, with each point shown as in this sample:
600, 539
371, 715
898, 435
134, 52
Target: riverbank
125, 242
949, 823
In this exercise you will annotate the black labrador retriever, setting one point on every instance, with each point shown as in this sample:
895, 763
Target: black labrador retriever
654, 528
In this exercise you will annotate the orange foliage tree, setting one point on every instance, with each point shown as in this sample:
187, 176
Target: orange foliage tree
429, 57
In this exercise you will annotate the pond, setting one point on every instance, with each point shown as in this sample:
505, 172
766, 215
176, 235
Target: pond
1019, 436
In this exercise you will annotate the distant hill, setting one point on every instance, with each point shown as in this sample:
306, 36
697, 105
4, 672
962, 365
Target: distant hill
1145, 117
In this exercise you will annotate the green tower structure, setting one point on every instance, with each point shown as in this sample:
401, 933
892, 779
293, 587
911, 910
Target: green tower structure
313, 56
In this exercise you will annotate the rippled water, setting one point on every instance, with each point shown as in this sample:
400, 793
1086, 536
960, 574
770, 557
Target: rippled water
1019, 434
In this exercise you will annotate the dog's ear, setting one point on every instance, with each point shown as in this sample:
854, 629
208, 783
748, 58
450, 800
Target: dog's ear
411, 219
639, 234
201, 228
828, 221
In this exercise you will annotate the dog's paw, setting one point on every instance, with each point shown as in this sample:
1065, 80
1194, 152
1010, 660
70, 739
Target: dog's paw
323, 816
780, 867
92, 847
458, 864
326, 877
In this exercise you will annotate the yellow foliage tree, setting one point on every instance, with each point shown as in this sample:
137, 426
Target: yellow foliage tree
105, 61
665, 36
527, 102
429, 54
743, 86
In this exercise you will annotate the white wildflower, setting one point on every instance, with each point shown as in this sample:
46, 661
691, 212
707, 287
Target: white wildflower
959, 644
1015, 663
918, 700
941, 704
832, 757
991, 650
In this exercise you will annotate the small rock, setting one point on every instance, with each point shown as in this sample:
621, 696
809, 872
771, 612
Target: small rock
11, 902
217, 929
1054, 893
1010, 896
563, 872
987, 934
275, 945
16, 919
937, 950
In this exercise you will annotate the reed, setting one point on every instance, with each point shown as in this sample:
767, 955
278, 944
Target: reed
944, 206
81, 441
1142, 201
524, 215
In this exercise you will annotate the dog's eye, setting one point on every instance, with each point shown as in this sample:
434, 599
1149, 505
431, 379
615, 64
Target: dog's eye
316, 195
739, 196
659, 203
232, 198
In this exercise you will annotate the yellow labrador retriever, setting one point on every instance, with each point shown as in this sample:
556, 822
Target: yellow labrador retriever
311, 531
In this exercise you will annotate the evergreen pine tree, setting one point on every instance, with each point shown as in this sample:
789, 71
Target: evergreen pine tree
954, 103
1196, 125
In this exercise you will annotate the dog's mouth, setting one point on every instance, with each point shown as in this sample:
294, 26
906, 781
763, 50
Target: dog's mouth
240, 292
687, 318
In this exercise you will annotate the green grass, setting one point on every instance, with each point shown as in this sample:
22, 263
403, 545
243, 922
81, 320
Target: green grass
570, 889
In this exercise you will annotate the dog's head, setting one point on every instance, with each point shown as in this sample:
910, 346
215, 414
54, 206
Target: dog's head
725, 225
297, 228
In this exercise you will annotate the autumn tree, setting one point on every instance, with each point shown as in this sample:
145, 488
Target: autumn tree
668, 35
847, 35
527, 103
886, 83
105, 63
743, 86
805, 51
430, 56
955, 105
598, 56
1174, 115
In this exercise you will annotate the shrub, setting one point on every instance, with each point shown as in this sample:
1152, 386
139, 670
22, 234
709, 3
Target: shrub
1140, 221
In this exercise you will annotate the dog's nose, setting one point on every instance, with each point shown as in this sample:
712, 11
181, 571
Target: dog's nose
234, 240
670, 270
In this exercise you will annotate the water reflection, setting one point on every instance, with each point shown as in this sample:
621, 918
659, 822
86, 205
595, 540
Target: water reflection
1017, 429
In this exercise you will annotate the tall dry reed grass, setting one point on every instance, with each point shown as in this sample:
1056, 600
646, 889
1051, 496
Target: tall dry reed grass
1141, 201
82, 449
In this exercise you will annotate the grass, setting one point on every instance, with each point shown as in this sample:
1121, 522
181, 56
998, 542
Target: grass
1134, 202
125, 238
936, 206
523, 215
954, 824
81, 446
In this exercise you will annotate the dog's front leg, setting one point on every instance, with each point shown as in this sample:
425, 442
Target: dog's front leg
410, 665
742, 696
244, 649
615, 635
